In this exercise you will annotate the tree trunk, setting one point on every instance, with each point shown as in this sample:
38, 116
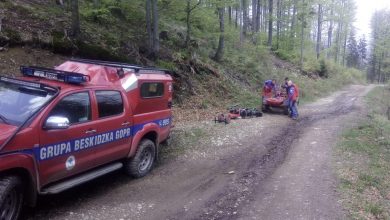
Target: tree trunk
270, 22
319, 31
302, 36
330, 30
265, 16
345, 46
244, 17
188, 11
230, 15
258, 15
149, 24
338, 40
241, 23
96, 3
254, 15
236, 16
221, 45
293, 22
156, 40
75, 19
278, 22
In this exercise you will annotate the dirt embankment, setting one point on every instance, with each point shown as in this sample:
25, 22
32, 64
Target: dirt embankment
12, 58
264, 168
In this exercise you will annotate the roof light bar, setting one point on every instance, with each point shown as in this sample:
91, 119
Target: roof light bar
52, 74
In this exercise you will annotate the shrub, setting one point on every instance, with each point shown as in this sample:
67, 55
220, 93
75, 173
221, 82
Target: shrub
101, 15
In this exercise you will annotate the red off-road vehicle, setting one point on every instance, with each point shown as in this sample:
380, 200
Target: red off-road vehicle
65, 126
279, 101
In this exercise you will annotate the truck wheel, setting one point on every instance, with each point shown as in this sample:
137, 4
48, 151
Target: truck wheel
11, 197
142, 162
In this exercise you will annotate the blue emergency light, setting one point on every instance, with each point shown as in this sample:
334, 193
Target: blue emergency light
53, 74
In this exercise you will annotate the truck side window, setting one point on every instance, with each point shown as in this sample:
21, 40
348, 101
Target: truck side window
110, 103
76, 107
152, 90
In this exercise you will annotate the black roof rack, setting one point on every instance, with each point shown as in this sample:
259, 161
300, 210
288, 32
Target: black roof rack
138, 69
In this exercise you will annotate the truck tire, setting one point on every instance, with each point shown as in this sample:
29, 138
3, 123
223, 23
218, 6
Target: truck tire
11, 197
143, 161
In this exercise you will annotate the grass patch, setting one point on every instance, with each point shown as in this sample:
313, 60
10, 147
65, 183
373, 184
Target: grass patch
364, 152
183, 141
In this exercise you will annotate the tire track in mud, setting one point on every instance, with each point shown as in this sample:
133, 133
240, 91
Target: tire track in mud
234, 196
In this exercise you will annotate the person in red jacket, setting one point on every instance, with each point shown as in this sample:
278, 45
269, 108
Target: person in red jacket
293, 95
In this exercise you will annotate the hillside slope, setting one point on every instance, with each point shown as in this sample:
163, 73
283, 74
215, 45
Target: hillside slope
34, 30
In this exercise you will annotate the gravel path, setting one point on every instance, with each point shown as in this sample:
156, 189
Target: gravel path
261, 168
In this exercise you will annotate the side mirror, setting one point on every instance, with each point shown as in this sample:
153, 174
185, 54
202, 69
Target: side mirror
56, 122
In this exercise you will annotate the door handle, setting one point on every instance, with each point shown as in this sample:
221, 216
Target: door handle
91, 131
125, 123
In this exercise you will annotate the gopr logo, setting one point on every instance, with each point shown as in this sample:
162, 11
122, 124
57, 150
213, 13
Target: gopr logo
59, 149
63, 148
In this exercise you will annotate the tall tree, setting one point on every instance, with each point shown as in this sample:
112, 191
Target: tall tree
319, 31
353, 51
190, 7
75, 18
293, 24
156, 40
303, 25
245, 17
270, 21
362, 48
149, 24
258, 15
221, 45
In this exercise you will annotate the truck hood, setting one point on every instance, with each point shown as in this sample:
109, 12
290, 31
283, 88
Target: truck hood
6, 131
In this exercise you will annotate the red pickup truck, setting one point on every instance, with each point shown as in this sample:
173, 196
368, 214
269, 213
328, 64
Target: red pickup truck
83, 119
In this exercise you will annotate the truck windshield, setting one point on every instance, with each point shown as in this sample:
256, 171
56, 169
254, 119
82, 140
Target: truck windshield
18, 102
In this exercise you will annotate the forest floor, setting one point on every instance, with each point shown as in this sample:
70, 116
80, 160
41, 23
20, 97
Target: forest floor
260, 168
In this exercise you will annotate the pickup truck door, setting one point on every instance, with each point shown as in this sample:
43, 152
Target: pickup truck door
65, 152
113, 117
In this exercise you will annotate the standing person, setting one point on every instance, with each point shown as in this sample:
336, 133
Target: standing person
285, 85
293, 94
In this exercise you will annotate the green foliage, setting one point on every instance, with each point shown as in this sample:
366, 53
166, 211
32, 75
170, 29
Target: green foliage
285, 55
13, 35
166, 64
323, 71
61, 44
116, 30
100, 16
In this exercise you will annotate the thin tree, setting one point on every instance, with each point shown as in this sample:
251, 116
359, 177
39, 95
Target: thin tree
75, 19
302, 32
270, 22
319, 31
189, 10
221, 45
149, 24
156, 40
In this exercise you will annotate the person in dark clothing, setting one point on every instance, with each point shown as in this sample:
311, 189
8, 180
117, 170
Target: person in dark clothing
285, 85
293, 95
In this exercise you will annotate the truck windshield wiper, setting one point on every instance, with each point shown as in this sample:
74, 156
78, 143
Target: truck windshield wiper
4, 119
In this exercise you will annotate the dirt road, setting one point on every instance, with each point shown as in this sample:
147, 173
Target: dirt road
264, 168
